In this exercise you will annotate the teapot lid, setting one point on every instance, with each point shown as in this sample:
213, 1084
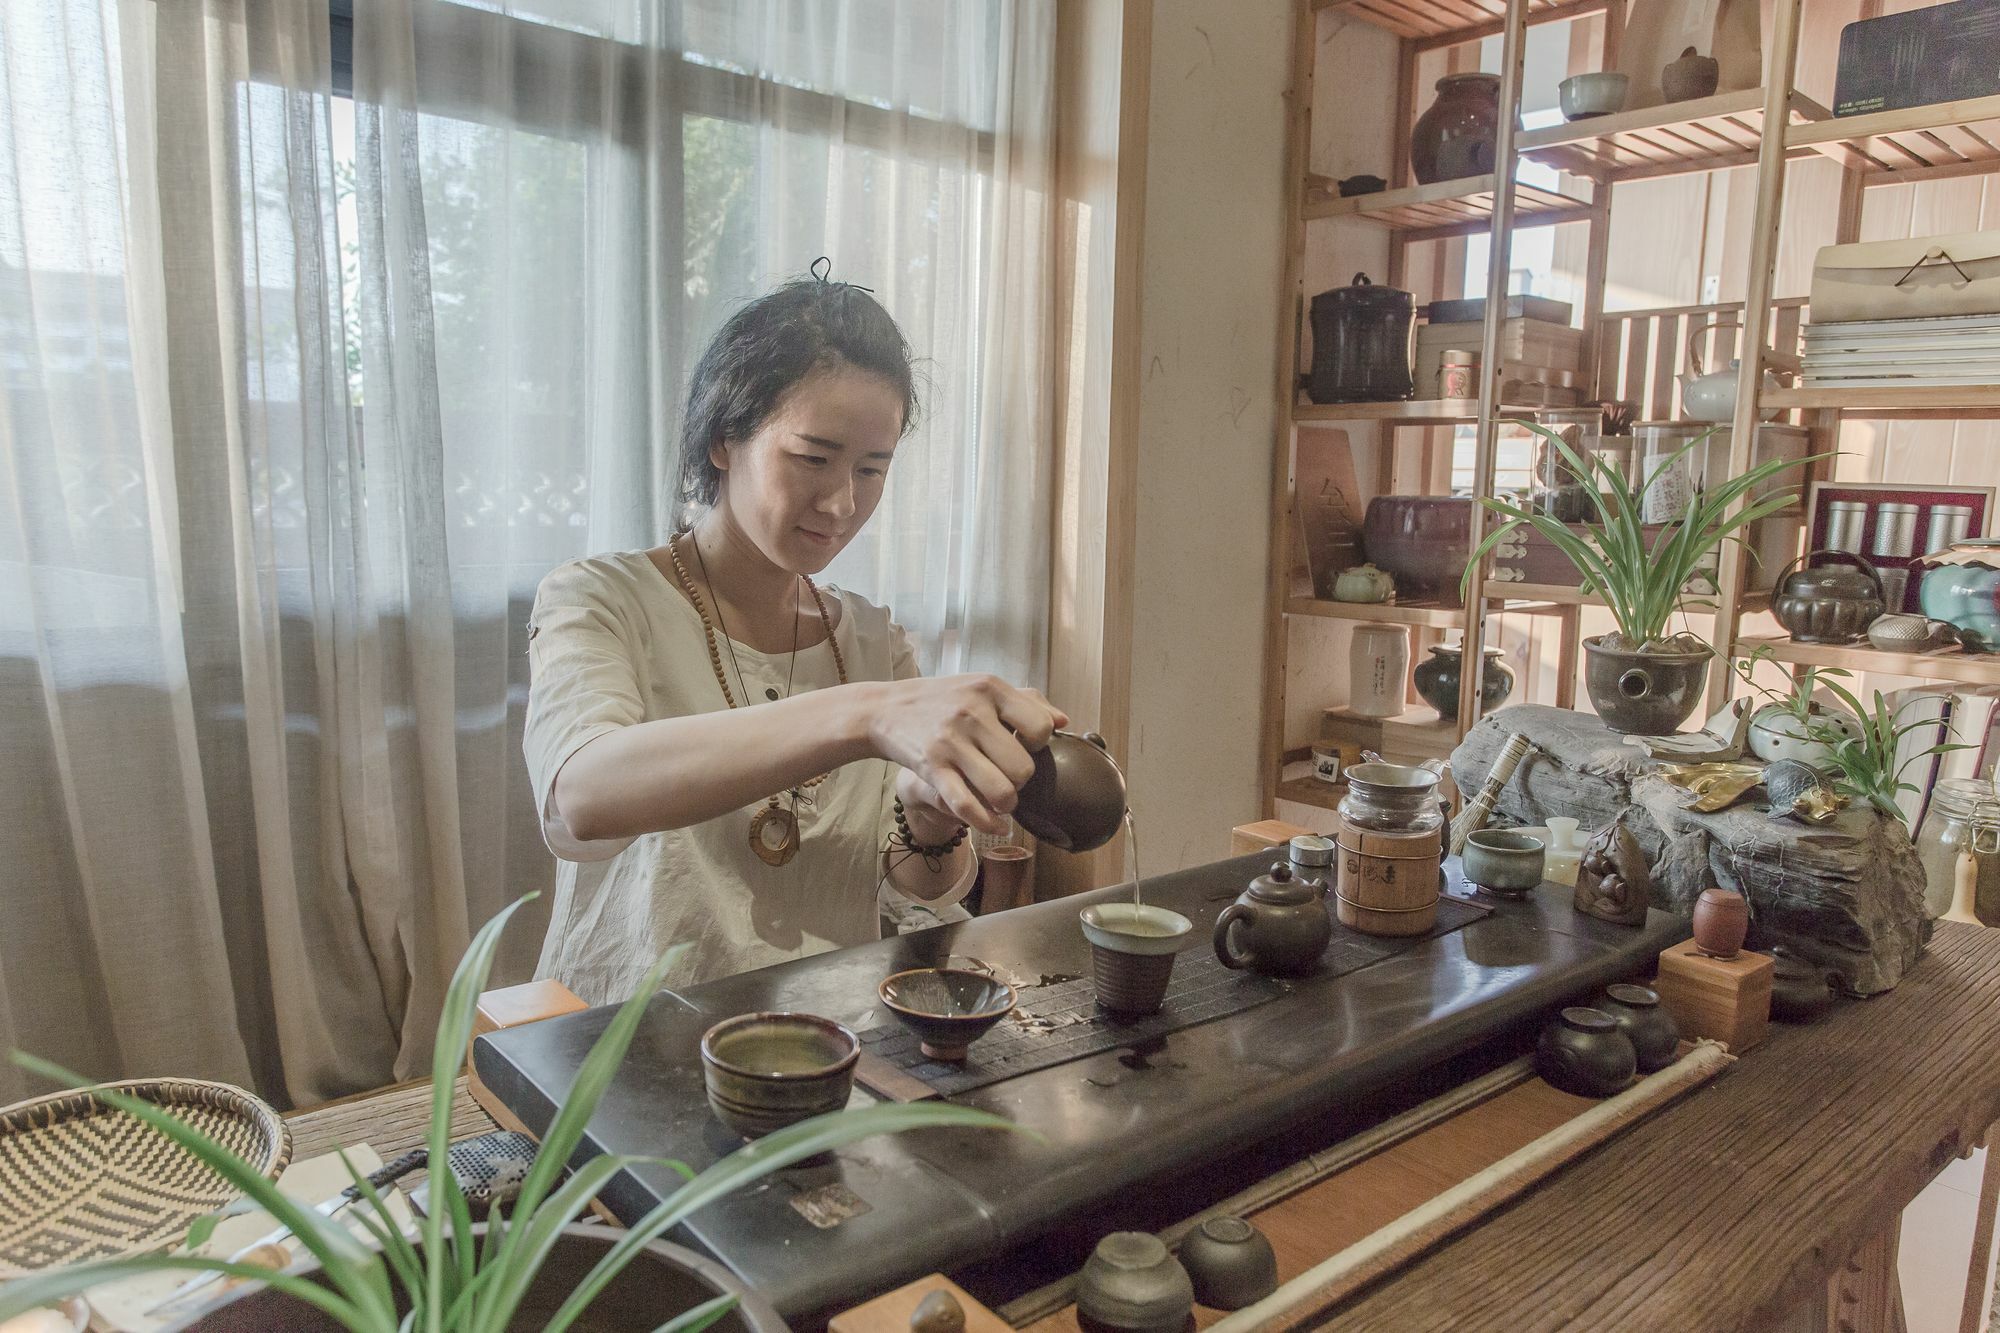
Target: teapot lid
1282, 888
1833, 580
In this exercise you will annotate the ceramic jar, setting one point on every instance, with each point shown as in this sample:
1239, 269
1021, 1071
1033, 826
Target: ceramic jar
1378, 666
1231, 1263
1363, 583
1584, 1052
1961, 587
1721, 922
1277, 926
1361, 344
1800, 992
1827, 603
1438, 680
1393, 798
1454, 138
1130, 1284
1637, 1011
1690, 76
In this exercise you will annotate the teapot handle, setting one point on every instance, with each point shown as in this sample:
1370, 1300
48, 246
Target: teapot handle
1694, 357
1859, 561
1226, 952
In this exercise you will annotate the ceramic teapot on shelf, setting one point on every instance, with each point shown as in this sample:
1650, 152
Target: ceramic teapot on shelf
1279, 925
1712, 396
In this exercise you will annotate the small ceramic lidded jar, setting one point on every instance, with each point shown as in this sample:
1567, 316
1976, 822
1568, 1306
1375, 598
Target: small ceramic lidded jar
1584, 1052
1721, 922
1637, 1011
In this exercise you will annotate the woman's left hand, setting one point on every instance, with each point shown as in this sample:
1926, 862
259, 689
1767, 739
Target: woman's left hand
931, 820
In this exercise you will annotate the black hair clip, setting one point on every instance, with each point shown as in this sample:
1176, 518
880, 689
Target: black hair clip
823, 266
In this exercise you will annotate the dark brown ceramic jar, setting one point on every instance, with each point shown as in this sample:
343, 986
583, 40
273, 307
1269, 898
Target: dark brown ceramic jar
1721, 921
1646, 1024
1584, 1052
1454, 138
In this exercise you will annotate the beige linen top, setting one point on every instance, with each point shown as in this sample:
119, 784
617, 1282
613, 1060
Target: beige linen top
614, 643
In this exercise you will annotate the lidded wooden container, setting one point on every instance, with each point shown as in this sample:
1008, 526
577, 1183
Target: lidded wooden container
1391, 840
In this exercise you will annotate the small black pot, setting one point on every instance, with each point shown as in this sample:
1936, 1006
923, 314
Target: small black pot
1800, 992
661, 1283
1584, 1052
1438, 677
1646, 1024
1643, 694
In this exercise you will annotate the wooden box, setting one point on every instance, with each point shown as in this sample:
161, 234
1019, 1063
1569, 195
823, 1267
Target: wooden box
1728, 999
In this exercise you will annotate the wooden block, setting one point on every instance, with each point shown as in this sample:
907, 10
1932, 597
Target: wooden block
512, 1006
891, 1313
1247, 838
1728, 999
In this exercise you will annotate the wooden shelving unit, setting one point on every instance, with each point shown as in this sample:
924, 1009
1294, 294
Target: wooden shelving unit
1927, 402
1442, 21
1380, 613
1916, 143
1953, 664
1444, 208
1710, 134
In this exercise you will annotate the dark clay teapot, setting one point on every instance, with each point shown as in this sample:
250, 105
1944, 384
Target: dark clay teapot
1076, 799
1278, 925
1800, 991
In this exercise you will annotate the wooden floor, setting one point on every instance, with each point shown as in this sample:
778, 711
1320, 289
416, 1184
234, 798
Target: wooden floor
1327, 1217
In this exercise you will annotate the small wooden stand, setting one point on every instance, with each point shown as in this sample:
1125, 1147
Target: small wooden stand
1247, 838
890, 1313
1728, 999
511, 1007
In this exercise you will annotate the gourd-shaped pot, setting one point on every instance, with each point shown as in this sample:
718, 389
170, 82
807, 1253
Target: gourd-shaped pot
1454, 138
1437, 680
1278, 925
1721, 922
1827, 603
1584, 1052
1690, 77
1645, 1022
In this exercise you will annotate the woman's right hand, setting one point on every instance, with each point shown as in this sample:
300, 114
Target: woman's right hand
969, 737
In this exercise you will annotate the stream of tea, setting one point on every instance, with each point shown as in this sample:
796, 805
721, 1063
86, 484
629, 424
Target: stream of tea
1132, 855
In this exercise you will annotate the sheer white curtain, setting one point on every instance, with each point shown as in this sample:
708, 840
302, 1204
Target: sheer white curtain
305, 392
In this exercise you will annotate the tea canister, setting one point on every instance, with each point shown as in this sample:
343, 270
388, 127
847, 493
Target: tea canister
1391, 841
1361, 344
1959, 845
1458, 375
1831, 603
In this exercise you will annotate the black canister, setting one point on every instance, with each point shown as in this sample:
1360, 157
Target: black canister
1361, 344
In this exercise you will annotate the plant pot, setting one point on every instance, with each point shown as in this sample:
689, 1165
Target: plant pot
1438, 678
1454, 137
1775, 734
1643, 693
663, 1281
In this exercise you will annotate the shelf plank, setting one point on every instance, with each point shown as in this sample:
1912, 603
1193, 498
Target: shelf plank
1702, 135
1311, 791
1954, 664
1446, 208
1386, 613
1949, 403
1419, 731
1414, 411
1437, 21
1962, 135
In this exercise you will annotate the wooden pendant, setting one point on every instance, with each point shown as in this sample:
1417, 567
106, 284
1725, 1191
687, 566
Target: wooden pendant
774, 834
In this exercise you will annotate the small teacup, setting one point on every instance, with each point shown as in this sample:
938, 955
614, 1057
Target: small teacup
1505, 863
1132, 950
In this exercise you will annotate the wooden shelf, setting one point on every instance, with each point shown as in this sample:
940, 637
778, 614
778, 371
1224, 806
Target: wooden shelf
1437, 22
1682, 137
1919, 142
1945, 664
1311, 791
1419, 732
1416, 411
1443, 208
1926, 402
1387, 613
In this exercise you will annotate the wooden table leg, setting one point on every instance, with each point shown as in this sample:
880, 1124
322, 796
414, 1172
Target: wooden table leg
1981, 1267
1863, 1295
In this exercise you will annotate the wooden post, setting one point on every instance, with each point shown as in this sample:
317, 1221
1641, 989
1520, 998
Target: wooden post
1279, 559
1513, 45
1756, 323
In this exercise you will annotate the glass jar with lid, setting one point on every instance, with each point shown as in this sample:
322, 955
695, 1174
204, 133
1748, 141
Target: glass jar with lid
1959, 845
1393, 798
1562, 491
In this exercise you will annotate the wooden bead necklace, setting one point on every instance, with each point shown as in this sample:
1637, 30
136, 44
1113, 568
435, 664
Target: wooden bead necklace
774, 830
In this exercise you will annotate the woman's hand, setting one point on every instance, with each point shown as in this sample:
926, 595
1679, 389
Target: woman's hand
967, 741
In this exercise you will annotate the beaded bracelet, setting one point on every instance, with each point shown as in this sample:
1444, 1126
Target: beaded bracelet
933, 855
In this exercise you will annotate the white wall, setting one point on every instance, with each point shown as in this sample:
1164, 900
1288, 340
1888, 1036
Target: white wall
1212, 262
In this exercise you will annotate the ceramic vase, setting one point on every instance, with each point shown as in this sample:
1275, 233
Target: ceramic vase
1721, 922
1454, 138
1438, 679
1961, 587
1378, 667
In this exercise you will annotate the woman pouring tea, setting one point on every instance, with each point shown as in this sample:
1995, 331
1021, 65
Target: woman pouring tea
725, 752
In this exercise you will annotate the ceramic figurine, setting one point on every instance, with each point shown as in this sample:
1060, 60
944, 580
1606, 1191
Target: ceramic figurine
1637, 1011
1613, 882
1584, 1052
1799, 791
1721, 921
1363, 583
1278, 925
1800, 992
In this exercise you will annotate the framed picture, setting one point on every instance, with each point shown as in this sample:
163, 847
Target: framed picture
1894, 526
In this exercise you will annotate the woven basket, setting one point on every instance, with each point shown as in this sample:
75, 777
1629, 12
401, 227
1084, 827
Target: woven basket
81, 1180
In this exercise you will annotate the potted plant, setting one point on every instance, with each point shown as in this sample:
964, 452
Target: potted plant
524, 1272
1861, 758
1794, 724
1642, 680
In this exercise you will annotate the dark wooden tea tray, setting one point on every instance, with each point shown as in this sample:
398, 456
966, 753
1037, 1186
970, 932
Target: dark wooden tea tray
1125, 1131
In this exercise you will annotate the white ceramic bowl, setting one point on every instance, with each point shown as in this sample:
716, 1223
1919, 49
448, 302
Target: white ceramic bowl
1130, 928
1596, 94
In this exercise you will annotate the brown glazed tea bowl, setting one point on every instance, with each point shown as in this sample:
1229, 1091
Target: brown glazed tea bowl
765, 1071
948, 1008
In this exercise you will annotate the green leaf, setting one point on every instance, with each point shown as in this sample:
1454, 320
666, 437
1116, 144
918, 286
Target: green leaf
200, 1230
699, 1318
23, 1294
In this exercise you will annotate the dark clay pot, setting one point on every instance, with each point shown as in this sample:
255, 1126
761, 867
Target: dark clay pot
1721, 921
1646, 1024
1800, 992
1584, 1052
1279, 925
1454, 137
1075, 801
661, 1283
1643, 694
1230, 1263
1438, 679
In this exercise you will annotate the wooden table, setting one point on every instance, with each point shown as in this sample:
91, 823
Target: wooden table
1740, 1207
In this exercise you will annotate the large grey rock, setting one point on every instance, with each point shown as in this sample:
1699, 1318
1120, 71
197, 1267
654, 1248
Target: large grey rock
1848, 896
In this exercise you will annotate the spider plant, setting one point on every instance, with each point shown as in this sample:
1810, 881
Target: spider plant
1863, 757
454, 1284
1643, 583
